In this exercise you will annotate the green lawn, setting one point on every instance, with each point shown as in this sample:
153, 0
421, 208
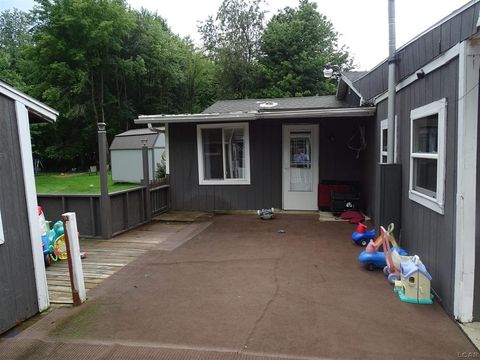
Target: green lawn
81, 183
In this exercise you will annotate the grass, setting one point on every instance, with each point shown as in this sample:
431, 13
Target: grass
76, 183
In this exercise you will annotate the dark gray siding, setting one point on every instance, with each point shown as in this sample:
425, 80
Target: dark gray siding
337, 162
18, 296
425, 232
352, 98
265, 172
422, 51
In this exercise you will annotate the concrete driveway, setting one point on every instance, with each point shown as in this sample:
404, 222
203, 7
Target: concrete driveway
241, 290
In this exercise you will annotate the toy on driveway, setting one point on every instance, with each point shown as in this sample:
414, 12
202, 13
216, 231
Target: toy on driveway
373, 259
362, 236
414, 284
53, 240
266, 214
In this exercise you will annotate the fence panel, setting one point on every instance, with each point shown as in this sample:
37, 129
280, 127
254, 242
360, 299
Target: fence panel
127, 208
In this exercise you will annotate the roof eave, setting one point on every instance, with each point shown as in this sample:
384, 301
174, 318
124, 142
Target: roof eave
290, 114
33, 105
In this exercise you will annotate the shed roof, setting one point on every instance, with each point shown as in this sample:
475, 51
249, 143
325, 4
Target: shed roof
132, 139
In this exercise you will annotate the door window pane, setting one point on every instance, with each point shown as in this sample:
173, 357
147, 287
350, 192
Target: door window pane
301, 173
300, 150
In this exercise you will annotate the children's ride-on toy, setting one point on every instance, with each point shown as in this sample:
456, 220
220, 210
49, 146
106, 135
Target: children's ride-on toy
362, 236
373, 259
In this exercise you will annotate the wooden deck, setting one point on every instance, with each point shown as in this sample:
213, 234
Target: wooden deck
106, 257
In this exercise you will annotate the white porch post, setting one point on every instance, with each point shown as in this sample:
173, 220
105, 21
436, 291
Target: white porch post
469, 71
31, 199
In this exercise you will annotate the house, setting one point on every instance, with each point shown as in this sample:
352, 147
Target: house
242, 154
126, 154
24, 286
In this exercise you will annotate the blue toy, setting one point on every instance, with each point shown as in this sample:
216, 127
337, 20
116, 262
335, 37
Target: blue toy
362, 236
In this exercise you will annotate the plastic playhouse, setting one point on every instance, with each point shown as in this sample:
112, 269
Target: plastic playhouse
414, 284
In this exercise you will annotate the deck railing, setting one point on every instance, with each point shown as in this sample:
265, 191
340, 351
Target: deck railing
128, 208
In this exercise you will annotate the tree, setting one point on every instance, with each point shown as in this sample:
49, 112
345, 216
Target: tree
99, 61
74, 65
232, 41
296, 46
15, 36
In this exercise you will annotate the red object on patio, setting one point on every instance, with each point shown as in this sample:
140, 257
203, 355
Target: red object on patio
325, 189
355, 217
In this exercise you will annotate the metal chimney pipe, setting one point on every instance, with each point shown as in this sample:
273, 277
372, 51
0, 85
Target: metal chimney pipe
391, 82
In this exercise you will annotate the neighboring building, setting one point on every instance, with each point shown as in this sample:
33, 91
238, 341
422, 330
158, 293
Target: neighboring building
23, 290
242, 154
126, 154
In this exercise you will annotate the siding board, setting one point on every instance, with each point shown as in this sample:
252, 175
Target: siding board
18, 297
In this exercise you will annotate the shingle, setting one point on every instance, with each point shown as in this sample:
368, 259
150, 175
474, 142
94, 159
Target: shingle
132, 139
294, 103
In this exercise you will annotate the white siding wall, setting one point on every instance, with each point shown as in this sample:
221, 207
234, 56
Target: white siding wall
127, 164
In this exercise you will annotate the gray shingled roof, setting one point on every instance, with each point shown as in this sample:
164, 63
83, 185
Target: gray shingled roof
293, 103
132, 139
354, 75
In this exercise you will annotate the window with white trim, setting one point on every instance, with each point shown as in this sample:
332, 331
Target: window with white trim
427, 155
223, 154
384, 141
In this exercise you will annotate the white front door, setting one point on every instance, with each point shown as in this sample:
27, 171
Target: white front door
300, 167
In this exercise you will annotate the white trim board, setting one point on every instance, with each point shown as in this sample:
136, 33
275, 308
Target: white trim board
256, 115
35, 106
469, 69
440, 61
2, 234
31, 200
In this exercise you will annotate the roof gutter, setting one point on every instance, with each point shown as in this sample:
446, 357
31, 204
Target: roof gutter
250, 116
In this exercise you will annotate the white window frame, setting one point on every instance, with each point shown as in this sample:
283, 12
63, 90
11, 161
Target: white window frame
2, 234
384, 126
201, 175
438, 108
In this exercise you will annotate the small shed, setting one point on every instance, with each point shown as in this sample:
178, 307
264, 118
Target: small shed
126, 154
23, 290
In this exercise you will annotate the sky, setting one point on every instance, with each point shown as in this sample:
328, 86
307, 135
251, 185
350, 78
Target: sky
362, 24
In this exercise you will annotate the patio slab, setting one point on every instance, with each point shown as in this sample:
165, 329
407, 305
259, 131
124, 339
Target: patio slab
240, 289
